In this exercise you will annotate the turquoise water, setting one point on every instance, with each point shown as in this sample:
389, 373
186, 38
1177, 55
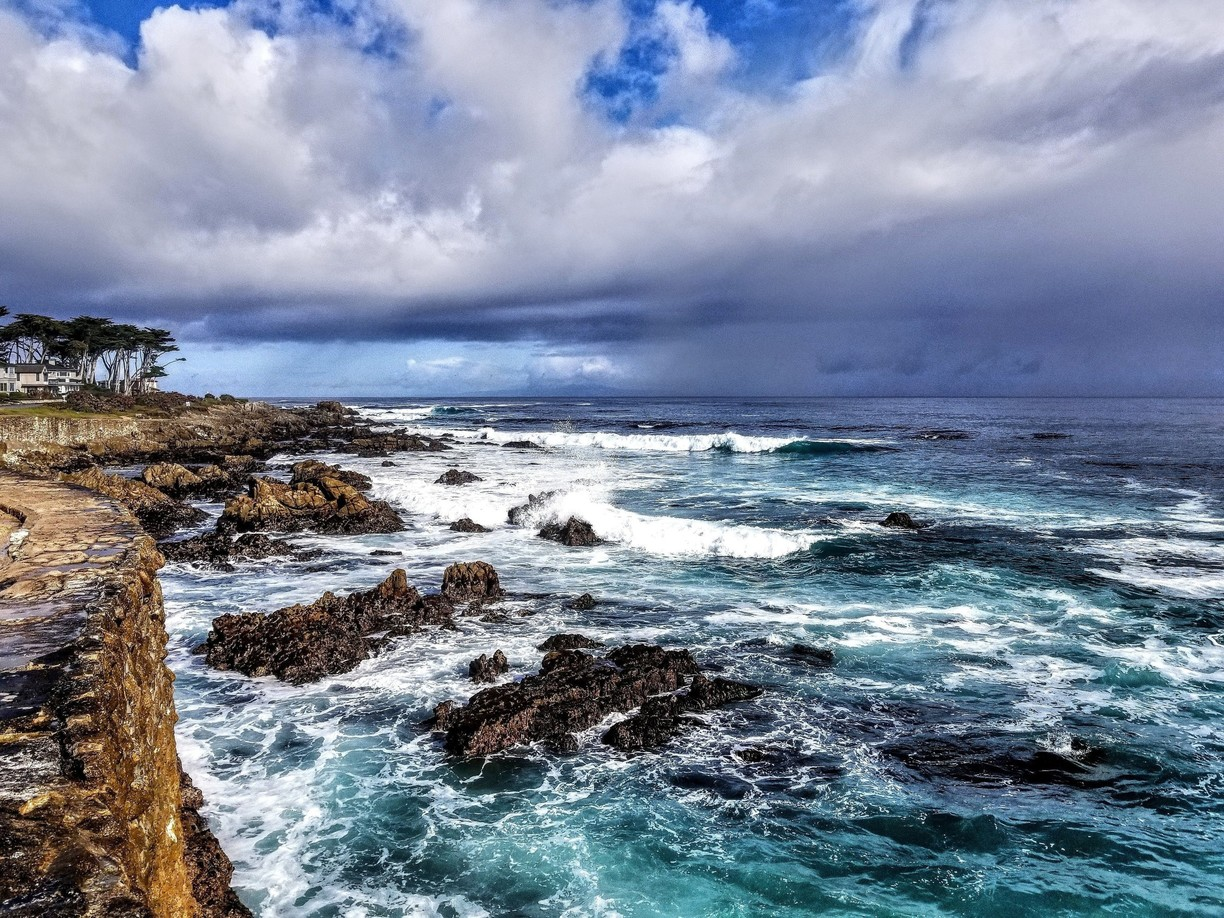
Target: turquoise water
1024, 716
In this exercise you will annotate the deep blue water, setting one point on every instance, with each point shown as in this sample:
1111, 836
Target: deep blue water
1024, 716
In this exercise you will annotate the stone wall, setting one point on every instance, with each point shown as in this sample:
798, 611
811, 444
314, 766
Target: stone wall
95, 816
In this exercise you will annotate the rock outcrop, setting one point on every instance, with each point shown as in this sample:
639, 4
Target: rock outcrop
472, 581
95, 816
521, 444
519, 515
159, 514
331, 635
467, 525
573, 532
572, 692
324, 504
486, 669
569, 642
584, 603
312, 471
456, 477
900, 520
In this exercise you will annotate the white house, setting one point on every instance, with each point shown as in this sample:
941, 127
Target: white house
51, 380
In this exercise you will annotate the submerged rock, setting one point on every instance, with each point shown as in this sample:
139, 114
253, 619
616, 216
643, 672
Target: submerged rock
521, 444
220, 549
812, 656
486, 669
584, 603
900, 520
159, 514
471, 582
467, 525
573, 691
569, 642
661, 719
331, 635
324, 504
1051, 435
575, 532
456, 477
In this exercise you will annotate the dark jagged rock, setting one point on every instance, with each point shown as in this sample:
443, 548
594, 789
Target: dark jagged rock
388, 464
662, 719
900, 520
467, 525
378, 444
313, 471
518, 516
575, 533
573, 691
332, 635
471, 582
209, 869
159, 514
569, 642
584, 603
219, 549
385, 553
812, 656
456, 477
325, 505
332, 408
486, 669
521, 444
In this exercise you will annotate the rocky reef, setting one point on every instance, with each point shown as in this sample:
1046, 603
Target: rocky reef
321, 502
95, 815
575, 691
573, 532
304, 643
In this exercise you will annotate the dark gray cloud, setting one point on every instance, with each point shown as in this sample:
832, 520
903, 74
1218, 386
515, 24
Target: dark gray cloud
1021, 196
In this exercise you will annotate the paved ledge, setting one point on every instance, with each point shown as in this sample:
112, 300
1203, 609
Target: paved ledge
92, 815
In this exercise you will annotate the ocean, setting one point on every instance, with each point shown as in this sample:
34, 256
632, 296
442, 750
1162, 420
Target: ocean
1024, 715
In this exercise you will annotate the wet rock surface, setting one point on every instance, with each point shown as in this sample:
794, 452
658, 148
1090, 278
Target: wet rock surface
521, 444
159, 514
471, 582
900, 520
572, 692
519, 515
304, 643
221, 550
487, 668
467, 525
662, 719
573, 532
570, 642
457, 477
584, 603
821, 657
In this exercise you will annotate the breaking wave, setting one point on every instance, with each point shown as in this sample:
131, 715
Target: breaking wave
729, 442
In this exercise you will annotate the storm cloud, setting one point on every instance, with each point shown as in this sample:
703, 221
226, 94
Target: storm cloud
951, 196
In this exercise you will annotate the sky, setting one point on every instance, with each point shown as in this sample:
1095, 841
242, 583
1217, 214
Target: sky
627, 197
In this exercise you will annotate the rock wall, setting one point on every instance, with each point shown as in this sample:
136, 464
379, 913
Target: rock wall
95, 816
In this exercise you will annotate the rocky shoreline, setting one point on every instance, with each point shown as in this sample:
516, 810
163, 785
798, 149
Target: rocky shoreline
220, 452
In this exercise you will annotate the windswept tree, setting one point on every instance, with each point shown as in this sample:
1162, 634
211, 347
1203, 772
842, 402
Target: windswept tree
129, 354
31, 338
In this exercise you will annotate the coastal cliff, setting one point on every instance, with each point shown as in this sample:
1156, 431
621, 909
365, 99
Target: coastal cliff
96, 817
